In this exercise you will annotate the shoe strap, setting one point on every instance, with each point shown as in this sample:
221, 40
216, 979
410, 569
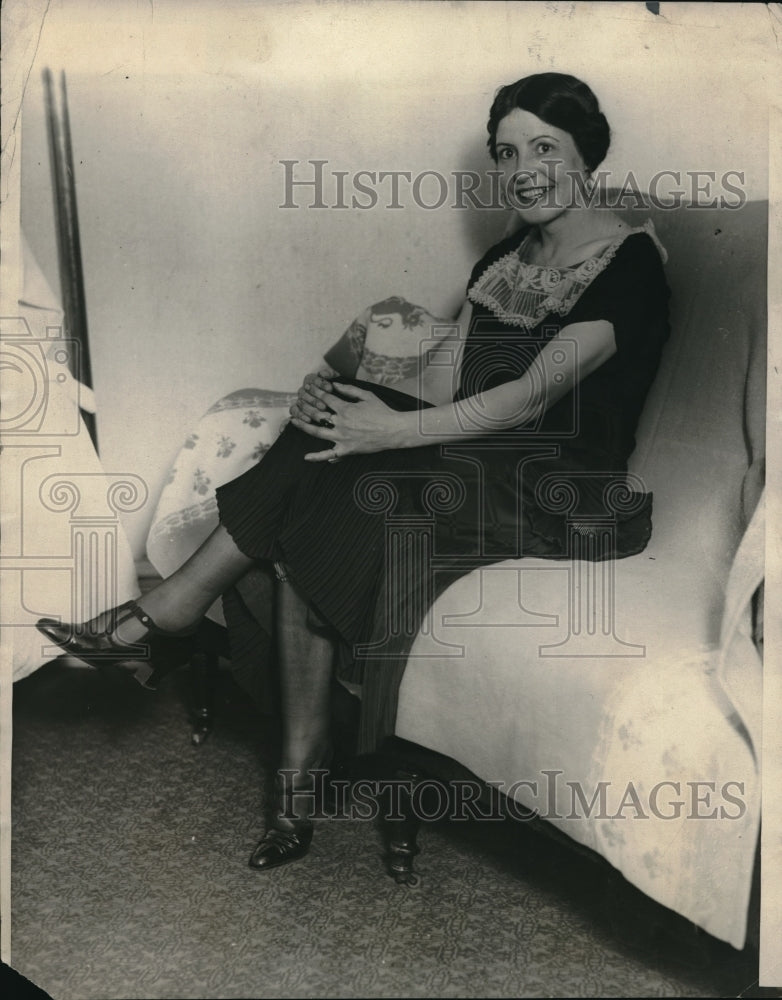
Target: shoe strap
131, 610
287, 838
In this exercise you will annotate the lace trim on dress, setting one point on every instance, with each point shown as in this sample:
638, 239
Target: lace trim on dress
521, 294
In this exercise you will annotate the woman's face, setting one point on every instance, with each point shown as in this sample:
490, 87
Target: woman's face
541, 165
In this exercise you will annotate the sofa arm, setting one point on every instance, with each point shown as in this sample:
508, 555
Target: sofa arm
752, 306
230, 438
739, 672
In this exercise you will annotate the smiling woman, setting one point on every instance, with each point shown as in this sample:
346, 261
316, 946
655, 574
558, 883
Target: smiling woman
548, 136
528, 410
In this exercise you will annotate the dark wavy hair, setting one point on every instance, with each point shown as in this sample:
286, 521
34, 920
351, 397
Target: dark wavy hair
562, 101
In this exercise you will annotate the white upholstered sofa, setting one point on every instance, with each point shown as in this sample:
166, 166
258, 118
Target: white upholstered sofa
640, 680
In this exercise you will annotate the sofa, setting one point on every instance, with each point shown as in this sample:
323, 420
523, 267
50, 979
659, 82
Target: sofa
620, 700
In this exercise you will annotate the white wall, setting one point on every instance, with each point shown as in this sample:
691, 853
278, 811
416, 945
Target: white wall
198, 283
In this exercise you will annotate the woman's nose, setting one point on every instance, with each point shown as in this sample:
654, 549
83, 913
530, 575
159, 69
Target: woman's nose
524, 172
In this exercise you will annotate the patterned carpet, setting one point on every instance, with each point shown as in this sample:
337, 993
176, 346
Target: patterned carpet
130, 878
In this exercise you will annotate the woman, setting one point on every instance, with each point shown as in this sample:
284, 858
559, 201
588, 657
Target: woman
541, 389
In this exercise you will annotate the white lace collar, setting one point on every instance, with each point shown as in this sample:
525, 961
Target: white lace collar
522, 294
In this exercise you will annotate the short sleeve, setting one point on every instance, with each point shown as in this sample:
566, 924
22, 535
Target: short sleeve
632, 294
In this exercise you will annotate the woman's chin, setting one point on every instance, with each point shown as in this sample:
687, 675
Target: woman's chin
539, 214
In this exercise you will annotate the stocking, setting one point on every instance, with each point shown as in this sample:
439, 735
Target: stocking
306, 658
184, 597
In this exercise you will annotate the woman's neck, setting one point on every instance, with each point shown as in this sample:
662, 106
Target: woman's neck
566, 239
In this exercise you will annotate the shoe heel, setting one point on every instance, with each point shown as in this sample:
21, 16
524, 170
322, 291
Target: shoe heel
144, 675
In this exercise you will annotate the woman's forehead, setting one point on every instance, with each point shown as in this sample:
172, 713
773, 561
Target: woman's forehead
524, 125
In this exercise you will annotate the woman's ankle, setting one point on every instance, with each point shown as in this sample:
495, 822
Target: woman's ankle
300, 766
297, 798
170, 614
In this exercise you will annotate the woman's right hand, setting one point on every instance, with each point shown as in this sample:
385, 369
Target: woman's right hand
309, 407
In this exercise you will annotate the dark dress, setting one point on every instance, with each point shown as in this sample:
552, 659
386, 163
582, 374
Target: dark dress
373, 539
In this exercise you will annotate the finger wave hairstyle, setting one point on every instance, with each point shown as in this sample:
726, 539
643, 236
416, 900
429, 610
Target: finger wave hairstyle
559, 100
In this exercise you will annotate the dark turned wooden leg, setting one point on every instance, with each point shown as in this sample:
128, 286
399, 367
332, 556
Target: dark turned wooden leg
202, 671
394, 782
415, 784
401, 826
203, 682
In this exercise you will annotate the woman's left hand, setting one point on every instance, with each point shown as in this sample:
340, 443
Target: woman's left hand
358, 425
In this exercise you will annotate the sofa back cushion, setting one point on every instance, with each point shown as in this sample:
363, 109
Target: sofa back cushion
701, 432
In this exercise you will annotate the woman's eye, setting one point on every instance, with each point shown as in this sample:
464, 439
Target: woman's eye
544, 147
506, 154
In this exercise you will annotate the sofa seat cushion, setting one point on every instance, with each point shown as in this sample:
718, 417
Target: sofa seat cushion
507, 687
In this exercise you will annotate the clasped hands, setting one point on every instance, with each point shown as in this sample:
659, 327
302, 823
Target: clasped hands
354, 419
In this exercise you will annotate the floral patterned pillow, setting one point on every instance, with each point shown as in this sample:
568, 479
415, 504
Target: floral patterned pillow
387, 342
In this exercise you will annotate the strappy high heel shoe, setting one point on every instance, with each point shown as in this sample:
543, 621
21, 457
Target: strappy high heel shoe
99, 647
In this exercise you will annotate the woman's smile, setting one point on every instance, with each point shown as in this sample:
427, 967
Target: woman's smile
527, 197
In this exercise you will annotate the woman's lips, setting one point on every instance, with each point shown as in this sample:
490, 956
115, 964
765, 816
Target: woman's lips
531, 195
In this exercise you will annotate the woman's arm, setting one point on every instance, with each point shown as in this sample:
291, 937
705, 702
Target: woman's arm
368, 425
